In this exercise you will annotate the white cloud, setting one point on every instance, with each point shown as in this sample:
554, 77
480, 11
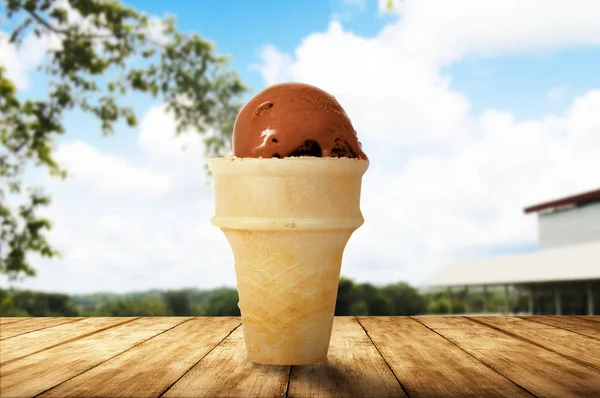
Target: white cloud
107, 174
158, 138
125, 225
136, 243
401, 92
447, 31
20, 61
155, 30
444, 183
450, 203
275, 66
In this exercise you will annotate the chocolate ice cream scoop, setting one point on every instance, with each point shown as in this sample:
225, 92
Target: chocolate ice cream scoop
294, 119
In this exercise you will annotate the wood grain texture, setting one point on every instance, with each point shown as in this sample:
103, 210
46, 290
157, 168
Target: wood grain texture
341, 376
593, 318
428, 365
577, 347
450, 356
225, 372
540, 371
152, 367
32, 342
574, 324
6, 320
39, 372
32, 324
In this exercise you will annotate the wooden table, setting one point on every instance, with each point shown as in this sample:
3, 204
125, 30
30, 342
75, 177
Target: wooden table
369, 357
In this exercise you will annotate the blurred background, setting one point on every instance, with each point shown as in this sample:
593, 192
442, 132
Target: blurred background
481, 121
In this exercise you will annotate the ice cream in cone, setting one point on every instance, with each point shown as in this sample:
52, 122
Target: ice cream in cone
288, 221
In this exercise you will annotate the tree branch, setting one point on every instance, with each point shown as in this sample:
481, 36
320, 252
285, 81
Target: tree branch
45, 23
59, 31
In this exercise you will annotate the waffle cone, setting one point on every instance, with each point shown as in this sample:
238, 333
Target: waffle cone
288, 222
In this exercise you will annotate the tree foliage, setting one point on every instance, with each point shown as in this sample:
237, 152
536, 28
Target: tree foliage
405, 299
101, 52
353, 299
367, 299
224, 304
147, 306
28, 303
178, 302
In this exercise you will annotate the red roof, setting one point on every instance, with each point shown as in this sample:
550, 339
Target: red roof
579, 199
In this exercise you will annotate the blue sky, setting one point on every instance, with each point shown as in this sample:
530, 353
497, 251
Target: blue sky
517, 83
521, 83
240, 28
468, 114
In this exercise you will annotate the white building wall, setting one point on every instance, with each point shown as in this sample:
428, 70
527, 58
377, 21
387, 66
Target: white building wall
569, 226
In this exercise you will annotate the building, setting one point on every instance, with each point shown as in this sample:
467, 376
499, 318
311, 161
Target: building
568, 221
562, 277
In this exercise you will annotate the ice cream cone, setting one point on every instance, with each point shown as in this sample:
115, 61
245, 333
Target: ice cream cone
288, 222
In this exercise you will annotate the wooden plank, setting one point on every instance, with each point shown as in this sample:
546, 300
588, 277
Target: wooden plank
32, 324
574, 324
428, 365
575, 346
594, 318
39, 372
225, 372
152, 367
6, 320
341, 375
540, 371
30, 343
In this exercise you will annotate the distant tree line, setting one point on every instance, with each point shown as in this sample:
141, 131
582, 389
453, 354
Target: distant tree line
367, 299
352, 299
187, 302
